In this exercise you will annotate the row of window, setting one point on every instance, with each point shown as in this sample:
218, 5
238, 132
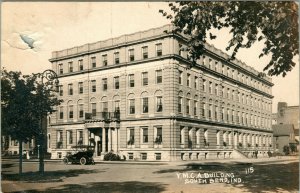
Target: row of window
131, 110
208, 86
234, 74
69, 138
131, 57
158, 135
194, 137
212, 112
116, 83
144, 156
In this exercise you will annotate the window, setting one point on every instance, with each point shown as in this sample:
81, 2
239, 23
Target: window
158, 76
131, 54
180, 49
130, 156
210, 87
159, 105
94, 110
117, 106
80, 110
216, 112
60, 136
210, 111
216, 89
131, 80
158, 134
61, 112
145, 52
204, 85
60, 68
181, 139
145, 135
216, 66
69, 137
145, 78
131, 135
196, 82
70, 64
61, 90
93, 61
187, 106
145, 105
80, 65
223, 111
223, 91
228, 93
143, 156
93, 82
104, 106
104, 83
131, 106
70, 89
188, 79
157, 156
158, 49
209, 63
223, 68
80, 87
179, 104
195, 107
117, 83
203, 109
80, 137
117, 59
71, 112
180, 77
104, 60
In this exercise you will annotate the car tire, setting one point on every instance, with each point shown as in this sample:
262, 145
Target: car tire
82, 161
65, 161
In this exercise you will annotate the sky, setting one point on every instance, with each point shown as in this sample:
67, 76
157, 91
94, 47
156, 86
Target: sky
56, 26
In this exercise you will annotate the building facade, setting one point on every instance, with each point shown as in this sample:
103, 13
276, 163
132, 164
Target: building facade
139, 96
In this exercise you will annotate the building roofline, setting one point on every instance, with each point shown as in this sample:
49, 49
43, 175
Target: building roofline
147, 35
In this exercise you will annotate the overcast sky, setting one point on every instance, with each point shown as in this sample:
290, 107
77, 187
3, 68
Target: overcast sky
56, 26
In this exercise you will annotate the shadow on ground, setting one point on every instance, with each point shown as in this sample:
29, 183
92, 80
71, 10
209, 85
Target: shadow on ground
108, 187
49, 176
274, 177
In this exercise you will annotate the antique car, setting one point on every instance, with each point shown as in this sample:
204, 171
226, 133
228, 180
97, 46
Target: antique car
82, 154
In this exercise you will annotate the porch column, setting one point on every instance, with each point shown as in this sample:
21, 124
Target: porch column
114, 139
109, 139
86, 136
103, 139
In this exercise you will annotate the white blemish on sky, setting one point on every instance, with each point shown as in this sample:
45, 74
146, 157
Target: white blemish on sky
56, 26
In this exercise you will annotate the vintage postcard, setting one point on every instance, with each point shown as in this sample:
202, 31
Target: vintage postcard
150, 96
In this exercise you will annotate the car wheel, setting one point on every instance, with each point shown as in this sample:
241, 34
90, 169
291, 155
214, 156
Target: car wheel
82, 161
65, 161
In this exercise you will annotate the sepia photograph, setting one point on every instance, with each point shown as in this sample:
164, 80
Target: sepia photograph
150, 97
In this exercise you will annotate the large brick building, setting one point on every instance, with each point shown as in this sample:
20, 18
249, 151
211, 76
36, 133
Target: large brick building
138, 95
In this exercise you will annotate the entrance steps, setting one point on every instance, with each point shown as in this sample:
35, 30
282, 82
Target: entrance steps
236, 153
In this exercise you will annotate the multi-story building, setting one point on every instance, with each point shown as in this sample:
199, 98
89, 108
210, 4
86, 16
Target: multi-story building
139, 95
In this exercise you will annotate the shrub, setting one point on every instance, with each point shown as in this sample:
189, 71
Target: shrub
112, 157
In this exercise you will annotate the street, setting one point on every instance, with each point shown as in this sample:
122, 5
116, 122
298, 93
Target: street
265, 175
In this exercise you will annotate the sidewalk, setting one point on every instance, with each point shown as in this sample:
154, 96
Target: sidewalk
180, 163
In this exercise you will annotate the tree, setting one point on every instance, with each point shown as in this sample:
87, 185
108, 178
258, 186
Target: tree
275, 23
24, 101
